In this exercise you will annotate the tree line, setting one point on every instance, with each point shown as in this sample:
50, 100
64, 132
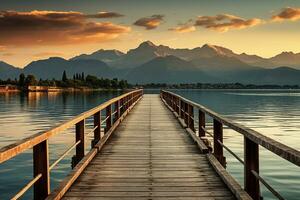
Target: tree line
78, 80
216, 86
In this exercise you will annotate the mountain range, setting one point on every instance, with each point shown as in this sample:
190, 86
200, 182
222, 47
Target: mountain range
150, 63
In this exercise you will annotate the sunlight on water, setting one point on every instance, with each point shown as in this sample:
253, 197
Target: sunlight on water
273, 113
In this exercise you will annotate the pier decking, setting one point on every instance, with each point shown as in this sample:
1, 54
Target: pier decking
149, 147
150, 156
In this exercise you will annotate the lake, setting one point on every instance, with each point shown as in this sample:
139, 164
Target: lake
275, 113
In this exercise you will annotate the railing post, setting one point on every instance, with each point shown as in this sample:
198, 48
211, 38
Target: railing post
251, 159
201, 123
191, 117
173, 103
117, 109
122, 106
97, 131
218, 136
108, 118
178, 105
80, 147
186, 117
180, 109
41, 166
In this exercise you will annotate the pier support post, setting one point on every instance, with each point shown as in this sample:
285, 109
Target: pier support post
108, 117
41, 166
186, 118
251, 159
80, 147
117, 109
97, 131
180, 108
218, 136
191, 117
201, 123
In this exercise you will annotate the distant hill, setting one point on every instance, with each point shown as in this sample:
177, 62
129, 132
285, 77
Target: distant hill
8, 71
54, 67
107, 56
169, 69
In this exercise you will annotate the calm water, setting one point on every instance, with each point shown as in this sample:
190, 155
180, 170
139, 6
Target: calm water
272, 112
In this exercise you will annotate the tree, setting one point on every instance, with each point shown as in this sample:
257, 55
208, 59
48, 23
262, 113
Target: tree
64, 76
82, 76
21, 80
30, 80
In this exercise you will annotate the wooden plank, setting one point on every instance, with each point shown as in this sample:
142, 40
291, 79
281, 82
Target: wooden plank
229, 180
59, 192
149, 158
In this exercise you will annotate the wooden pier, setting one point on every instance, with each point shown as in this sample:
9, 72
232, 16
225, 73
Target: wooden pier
149, 148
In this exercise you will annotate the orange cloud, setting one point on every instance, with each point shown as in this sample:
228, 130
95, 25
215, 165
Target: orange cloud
150, 22
184, 28
226, 22
7, 54
52, 28
288, 13
105, 14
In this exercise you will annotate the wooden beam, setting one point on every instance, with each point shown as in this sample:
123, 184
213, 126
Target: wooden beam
251, 159
108, 119
191, 124
97, 131
201, 119
41, 166
218, 136
80, 147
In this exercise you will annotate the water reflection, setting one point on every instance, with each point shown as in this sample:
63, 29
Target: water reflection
273, 113
24, 114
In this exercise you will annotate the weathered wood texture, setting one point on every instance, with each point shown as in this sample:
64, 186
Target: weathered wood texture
150, 156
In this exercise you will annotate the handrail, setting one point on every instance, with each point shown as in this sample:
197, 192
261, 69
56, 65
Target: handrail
282, 150
184, 110
14, 149
39, 142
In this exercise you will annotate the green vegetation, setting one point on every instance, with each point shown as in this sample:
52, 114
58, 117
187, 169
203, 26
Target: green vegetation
79, 80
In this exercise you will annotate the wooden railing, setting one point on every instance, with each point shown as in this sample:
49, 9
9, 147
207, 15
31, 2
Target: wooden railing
184, 110
115, 110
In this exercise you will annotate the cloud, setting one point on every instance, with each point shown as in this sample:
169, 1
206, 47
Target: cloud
225, 22
150, 22
105, 14
2, 48
7, 54
184, 28
53, 28
288, 13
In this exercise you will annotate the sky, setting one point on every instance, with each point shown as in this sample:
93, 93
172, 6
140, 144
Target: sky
34, 29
